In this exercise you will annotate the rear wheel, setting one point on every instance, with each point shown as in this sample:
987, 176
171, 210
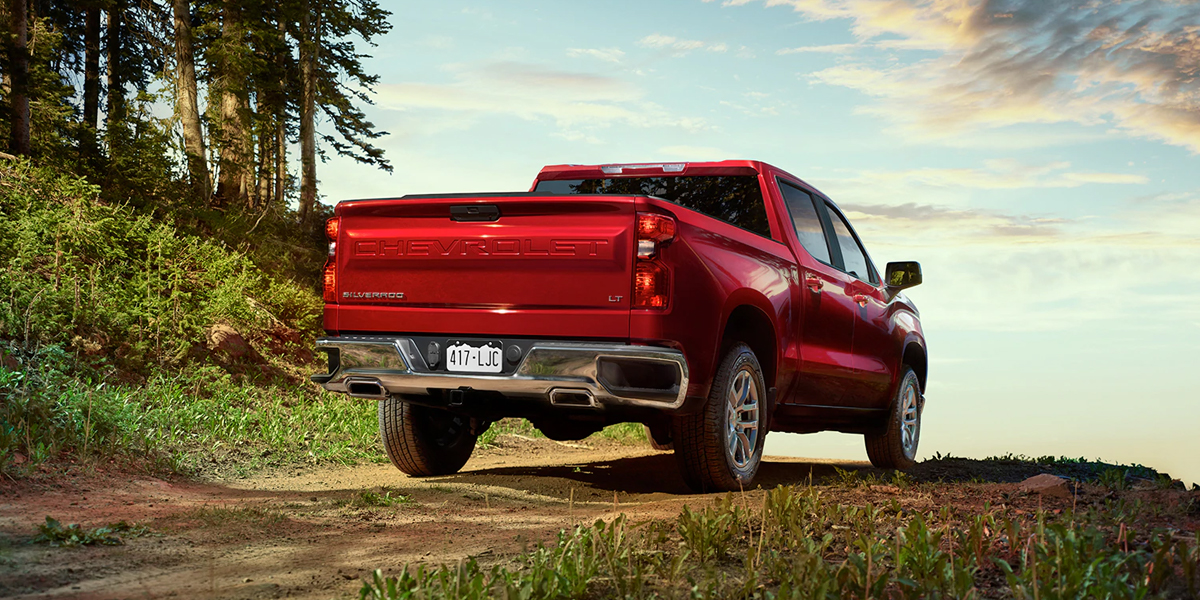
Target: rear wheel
656, 444
720, 447
896, 446
423, 441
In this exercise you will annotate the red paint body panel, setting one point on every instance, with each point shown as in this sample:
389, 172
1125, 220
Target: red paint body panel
561, 266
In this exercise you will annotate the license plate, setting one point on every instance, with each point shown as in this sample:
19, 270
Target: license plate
474, 359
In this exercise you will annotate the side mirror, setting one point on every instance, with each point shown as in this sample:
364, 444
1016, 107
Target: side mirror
902, 275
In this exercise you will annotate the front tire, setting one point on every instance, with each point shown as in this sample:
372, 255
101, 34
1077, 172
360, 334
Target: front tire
896, 447
423, 441
720, 447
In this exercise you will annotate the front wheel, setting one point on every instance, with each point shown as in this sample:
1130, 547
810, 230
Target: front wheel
896, 446
423, 441
720, 447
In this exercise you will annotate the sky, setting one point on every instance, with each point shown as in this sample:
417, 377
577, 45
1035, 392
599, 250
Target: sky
1040, 159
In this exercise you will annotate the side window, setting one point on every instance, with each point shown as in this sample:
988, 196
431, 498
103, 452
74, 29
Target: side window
852, 253
806, 222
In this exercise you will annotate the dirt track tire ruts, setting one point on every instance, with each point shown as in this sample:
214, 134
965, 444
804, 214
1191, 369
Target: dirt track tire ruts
423, 441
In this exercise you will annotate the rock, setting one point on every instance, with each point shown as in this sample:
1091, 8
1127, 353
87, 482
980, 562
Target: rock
1047, 485
223, 338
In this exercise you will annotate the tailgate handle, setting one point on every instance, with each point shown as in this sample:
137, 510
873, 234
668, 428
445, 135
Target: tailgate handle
475, 212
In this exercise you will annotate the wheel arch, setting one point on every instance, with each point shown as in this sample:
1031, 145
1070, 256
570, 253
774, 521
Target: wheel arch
749, 324
914, 357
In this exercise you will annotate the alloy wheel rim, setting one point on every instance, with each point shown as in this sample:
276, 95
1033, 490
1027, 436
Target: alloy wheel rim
742, 419
910, 419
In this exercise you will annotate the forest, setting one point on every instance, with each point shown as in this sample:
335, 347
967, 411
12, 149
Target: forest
159, 213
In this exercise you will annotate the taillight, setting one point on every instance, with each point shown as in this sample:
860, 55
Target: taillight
330, 281
330, 274
651, 226
331, 233
653, 230
650, 285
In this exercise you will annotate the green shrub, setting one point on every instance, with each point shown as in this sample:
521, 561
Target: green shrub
113, 285
198, 420
56, 534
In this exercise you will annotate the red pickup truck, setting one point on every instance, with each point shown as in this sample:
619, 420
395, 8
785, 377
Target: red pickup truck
710, 301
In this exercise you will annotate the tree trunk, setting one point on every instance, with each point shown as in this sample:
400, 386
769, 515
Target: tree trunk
91, 70
281, 124
18, 56
280, 156
116, 69
189, 110
236, 151
309, 44
262, 190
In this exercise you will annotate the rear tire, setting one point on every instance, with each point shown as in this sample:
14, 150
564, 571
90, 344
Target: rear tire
896, 447
720, 447
423, 441
655, 443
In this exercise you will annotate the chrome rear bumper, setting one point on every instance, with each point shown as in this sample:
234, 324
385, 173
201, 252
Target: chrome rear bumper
578, 374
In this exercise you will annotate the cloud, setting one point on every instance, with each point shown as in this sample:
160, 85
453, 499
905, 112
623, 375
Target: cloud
573, 100
679, 46
613, 55
996, 175
950, 226
826, 49
1132, 65
1000, 271
1176, 214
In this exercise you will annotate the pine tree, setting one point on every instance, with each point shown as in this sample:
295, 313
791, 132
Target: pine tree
186, 101
334, 69
18, 64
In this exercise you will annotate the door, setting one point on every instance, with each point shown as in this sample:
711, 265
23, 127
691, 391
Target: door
827, 313
873, 345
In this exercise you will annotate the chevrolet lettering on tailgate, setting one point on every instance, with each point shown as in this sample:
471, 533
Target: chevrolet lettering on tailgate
485, 247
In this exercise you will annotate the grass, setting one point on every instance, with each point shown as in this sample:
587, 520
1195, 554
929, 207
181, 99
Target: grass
56, 534
204, 421
221, 516
507, 427
630, 433
794, 544
384, 498
627, 433
198, 422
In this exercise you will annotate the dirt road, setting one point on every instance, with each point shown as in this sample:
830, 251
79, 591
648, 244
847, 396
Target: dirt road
313, 533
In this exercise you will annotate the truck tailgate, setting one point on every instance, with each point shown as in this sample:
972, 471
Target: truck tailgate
519, 264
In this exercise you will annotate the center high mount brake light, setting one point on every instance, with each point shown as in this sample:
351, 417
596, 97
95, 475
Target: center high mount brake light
665, 167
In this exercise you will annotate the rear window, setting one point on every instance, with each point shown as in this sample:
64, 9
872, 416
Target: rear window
735, 199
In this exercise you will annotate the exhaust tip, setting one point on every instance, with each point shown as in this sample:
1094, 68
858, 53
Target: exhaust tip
365, 389
561, 397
